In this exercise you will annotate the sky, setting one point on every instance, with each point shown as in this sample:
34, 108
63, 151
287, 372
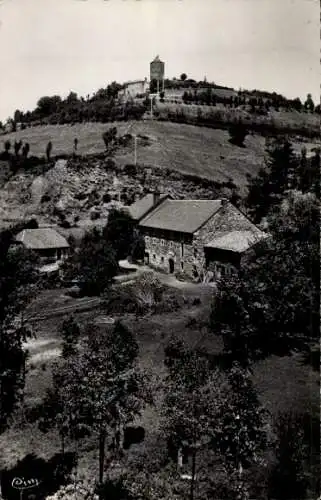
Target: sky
54, 46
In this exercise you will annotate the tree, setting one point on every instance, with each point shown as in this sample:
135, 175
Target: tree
94, 264
100, 387
47, 106
309, 104
269, 186
48, 150
252, 323
205, 408
7, 146
75, 145
18, 116
138, 248
238, 132
289, 480
25, 150
119, 233
17, 147
18, 279
297, 104
110, 139
308, 173
183, 77
70, 333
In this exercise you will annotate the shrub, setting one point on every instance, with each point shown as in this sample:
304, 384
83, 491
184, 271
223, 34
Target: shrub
148, 291
45, 198
106, 198
119, 301
130, 170
94, 215
238, 132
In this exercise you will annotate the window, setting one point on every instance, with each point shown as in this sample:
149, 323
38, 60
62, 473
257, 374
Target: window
154, 256
162, 260
182, 249
171, 244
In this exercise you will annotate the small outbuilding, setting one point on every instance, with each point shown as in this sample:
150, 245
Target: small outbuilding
50, 246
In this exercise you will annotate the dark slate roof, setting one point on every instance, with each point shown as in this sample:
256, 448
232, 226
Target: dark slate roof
184, 216
143, 206
236, 241
41, 239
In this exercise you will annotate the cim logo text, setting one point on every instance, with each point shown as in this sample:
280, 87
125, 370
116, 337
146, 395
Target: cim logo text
20, 483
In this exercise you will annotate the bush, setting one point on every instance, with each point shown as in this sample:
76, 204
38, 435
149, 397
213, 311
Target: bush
106, 198
130, 170
238, 132
45, 198
119, 301
94, 215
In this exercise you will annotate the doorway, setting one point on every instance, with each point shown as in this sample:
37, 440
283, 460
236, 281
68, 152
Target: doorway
171, 266
146, 258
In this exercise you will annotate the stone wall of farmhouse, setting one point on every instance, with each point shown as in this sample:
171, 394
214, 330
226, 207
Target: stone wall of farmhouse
227, 219
163, 247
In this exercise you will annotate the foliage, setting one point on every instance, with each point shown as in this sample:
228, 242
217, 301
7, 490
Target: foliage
93, 263
48, 150
210, 409
309, 104
48, 105
183, 77
238, 132
99, 390
289, 480
119, 300
110, 139
25, 150
17, 147
308, 173
271, 183
7, 146
70, 333
119, 232
18, 278
148, 292
245, 313
138, 248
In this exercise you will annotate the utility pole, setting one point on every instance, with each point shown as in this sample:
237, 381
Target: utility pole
151, 107
135, 149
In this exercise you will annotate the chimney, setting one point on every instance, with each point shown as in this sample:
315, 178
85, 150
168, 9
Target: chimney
156, 197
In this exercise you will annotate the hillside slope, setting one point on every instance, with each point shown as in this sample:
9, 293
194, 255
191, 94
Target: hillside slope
195, 150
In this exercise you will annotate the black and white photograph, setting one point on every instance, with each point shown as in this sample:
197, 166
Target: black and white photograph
160, 250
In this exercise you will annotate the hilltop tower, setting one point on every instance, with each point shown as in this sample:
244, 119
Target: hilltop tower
157, 72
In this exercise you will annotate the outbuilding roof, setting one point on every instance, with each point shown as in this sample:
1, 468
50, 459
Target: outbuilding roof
236, 241
143, 206
184, 216
41, 239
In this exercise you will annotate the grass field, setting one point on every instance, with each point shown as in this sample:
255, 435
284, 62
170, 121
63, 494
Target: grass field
194, 150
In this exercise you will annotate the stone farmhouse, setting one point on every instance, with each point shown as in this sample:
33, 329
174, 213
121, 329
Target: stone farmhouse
194, 236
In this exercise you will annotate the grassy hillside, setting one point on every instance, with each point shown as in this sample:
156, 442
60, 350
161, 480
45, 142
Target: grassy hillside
195, 150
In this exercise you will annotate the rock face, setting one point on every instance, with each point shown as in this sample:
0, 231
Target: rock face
74, 189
